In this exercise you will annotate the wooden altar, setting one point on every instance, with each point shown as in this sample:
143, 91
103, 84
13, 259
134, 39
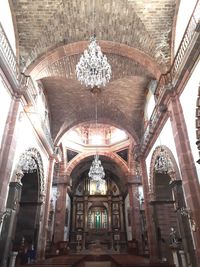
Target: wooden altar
97, 218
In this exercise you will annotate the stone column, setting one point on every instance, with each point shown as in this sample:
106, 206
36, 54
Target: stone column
13, 256
187, 166
60, 211
153, 248
135, 211
175, 257
7, 154
74, 214
9, 222
44, 226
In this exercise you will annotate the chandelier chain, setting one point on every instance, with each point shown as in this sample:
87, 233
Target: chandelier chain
93, 69
96, 172
93, 11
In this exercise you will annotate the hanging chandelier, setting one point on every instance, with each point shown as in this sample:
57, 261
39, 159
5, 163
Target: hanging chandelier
96, 172
93, 69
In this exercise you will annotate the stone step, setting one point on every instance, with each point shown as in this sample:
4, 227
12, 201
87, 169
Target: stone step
98, 264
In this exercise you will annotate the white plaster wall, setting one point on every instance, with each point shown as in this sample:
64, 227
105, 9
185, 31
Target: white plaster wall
186, 8
128, 228
165, 138
7, 23
27, 138
188, 101
5, 101
54, 191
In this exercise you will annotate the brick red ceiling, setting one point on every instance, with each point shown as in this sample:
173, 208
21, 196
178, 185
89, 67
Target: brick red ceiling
141, 24
121, 103
145, 26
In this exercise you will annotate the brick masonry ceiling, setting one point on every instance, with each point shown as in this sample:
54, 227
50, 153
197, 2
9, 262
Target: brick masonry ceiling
145, 26
141, 24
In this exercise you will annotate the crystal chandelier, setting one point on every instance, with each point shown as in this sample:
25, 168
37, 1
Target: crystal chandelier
93, 68
96, 172
27, 163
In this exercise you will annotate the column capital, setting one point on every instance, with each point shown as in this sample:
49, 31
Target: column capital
134, 179
62, 180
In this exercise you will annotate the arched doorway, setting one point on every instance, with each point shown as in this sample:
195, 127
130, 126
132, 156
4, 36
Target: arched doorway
165, 217
28, 205
27, 226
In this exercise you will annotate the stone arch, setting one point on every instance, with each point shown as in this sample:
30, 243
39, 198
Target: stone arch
110, 47
31, 154
76, 160
66, 127
173, 171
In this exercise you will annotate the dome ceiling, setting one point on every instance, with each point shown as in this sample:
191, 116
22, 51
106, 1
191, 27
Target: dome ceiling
92, 135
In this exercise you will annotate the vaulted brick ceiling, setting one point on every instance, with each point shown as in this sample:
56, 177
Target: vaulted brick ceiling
43, 27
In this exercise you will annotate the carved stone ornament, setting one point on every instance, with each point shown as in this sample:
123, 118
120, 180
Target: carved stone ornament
30, 161
161, 163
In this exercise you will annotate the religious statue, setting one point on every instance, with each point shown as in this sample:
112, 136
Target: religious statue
173, 238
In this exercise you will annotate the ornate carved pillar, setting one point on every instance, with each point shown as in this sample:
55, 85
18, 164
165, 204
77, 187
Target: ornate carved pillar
74, 214
109, 214
44, 227
9, 221
85, 219
121, 209
153, 249
86, 213
187, 167
8, 150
